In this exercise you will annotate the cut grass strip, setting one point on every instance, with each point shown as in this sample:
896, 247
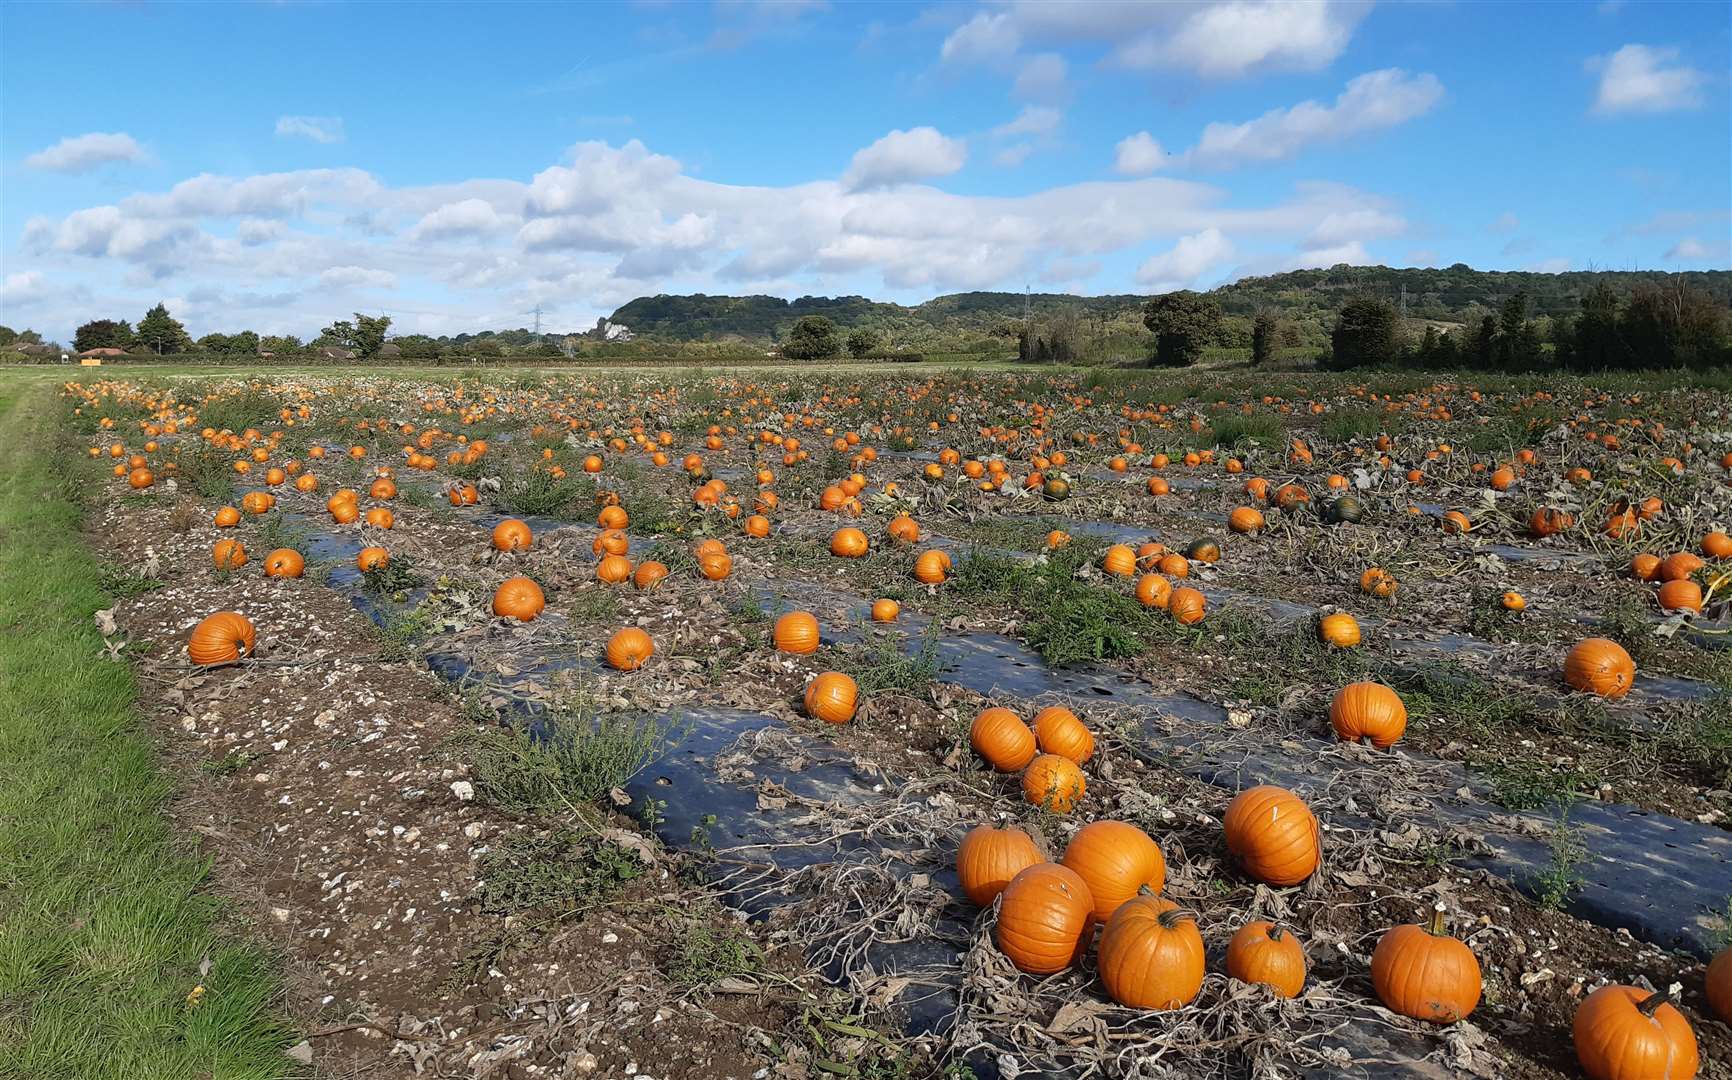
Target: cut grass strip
104, 918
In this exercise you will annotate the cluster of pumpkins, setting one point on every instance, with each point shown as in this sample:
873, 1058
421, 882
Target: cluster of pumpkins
1677, 588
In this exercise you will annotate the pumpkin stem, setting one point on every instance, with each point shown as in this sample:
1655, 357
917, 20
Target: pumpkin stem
1650, 1005
1437, 927
1275, 932
1144, 890
1174, 916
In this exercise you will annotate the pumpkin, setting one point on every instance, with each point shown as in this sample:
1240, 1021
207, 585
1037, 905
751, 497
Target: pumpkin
1679, 566
229, 554
1339, 629
372, 558
227, 518
285, 562
383, 488
885, 610
518, 598
1546, 522
613, 570
1119, 560
1377, 582
1370, 712
1513, 601
1717, 545
715, 565
797, 633
1056, 539
988, 858
1187, 606
258, 502
1151, 954
932, 567
1680, 595
831, 697
1600, 666
380, 517
903, 530
1204, 550
1455, 522
613, 517
512, 535
649, 574
345, 512
1272, 834
1347, 509
1720, 979
757, 526
1627, 1033
848, 543
1174, 565
1000, 736
222, 638
1056, 489
1645, 567
1054, 783
629, 649
1262, 952
1422, 972
140, 478
1154, 591
612, 542
1058, 731
1245, 519
1044, 915
1116, 859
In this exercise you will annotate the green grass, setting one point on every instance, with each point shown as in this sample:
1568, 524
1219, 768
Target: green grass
576, 760
104, 918
563, 871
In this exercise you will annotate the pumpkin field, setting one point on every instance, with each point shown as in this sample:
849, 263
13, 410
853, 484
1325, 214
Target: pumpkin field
784, 722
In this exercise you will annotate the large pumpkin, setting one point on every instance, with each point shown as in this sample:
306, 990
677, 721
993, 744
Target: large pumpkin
1422, 972
1043, 918
1369, 711
518, 598
831, 697
848, 543
1600, 666
1054, 783
932, 567
1120, 560
1262, 952
285, 563
649, 574
229, 554
1272, 834
1680, 595
1187, 606
1116, 859
629, 649
1058, 731
797, 633
512, 535
1000, 736
1627, 1033
1151, 954
222, 638
988, 858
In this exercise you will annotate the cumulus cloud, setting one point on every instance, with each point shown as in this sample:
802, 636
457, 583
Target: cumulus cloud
1033, 120
23, 287
1645, 79
1138, 155
1041, 77
1186, 262
902, 157
1371, 102
81, 153
467, 218
986, 38
1692, 249
1012, 156
358, 277
320, 129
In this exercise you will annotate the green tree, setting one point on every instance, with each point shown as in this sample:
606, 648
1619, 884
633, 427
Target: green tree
1672, 324
1597, 343
864, 340
1367, 331
161, 332
419, 347
1183, 323
216, 343
7, 336
1263, 333
813, 337
103, 334
365, 336
278, 344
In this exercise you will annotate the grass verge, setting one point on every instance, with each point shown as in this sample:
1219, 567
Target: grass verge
104, 921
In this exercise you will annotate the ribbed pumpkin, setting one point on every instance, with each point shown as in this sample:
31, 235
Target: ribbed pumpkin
848, 543
1339, 629
797, 633
1645, 567
1600, 666
1627, 1033
932, 567
1174, 565
885, 610
1151, 954
1206, 550
512, 535
1154, 591
1116, 859
1187, 606
380, 517
1717, 545
613, 517
1262, 952
988, 858
903, 530
1272, 834
629, 649
1119, 560
1053, 782
518, 598
383, 488
345, 512
1245, 519
613, 569
757, 526
1058, 731
1678, 566
832, 697
1422, 972
1377, 582
1680, 595
715, 565
285, 563
1044, 916
649, 574
258, 502
229, 554
221, 639
1368, 711
227, 518
1000, 736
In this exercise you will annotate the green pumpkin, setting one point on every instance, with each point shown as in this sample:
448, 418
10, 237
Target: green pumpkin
1346, 509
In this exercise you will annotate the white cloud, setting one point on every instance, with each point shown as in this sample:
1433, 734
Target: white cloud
1371, 102
1033, 120
1422, 257
358, 277
1232, 40
23, 287
255, 231
1691, 249
1342, 226
1138, 155
320, 129
1012, 156
81, 153
1505, 222
1548, 266
467, 218
904, 156
1041, 78
1186, 262
1645, 79
986, 38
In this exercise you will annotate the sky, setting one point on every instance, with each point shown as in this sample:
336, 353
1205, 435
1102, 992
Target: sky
278, 166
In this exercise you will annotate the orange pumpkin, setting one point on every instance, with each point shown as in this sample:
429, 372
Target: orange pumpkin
229, 555
1600, 666
797, 633
285, 563
1154, 591
1054, 783
1058, 731
372, 558
1717, 545
1174, 565
999, 736
613, 517
832, 697
1679, 566
1627, 1033
1377, 582
613, 570
380, 517
1151, 954
1368, 711
1645, 567
518, 598
1187, 606
989, 858
222, 638
715, 565
649, 574
903, 530
1422, 972
848, 543
1245, 520
1339, 629
1719, 982
1116, 859
227, 517
1119, 560
932, 567
1680, 595
1262, 952
629, 649
1044, 915
1272, 834
512, 535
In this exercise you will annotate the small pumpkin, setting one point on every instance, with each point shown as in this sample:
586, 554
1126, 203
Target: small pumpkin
1370, 712
885, 610
832, 697
1058, 731
221, 638
848, 543
649, 574
629, 649
797, 633
1151, 954
258, 502
285, 563
1187, 606
613, 570
932, 567
1120, 560
229, 554
1627, 1033
1154, 591
989, 858
227, 518
1246, 520
1600, 666
512, 535
1377, 582
1422, 972
1044, 915
380, 517
372, 558
518, 598
1054, 783
1272, 834
1513, 602
1000, 736
1116, 859
1339, 629
1262, 952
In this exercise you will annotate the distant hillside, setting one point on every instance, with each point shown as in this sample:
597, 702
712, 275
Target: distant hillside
1308, 298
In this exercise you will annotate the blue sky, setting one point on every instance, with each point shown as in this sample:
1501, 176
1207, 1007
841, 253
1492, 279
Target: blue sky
277, 166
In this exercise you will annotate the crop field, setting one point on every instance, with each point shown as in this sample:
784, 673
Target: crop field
780, 722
